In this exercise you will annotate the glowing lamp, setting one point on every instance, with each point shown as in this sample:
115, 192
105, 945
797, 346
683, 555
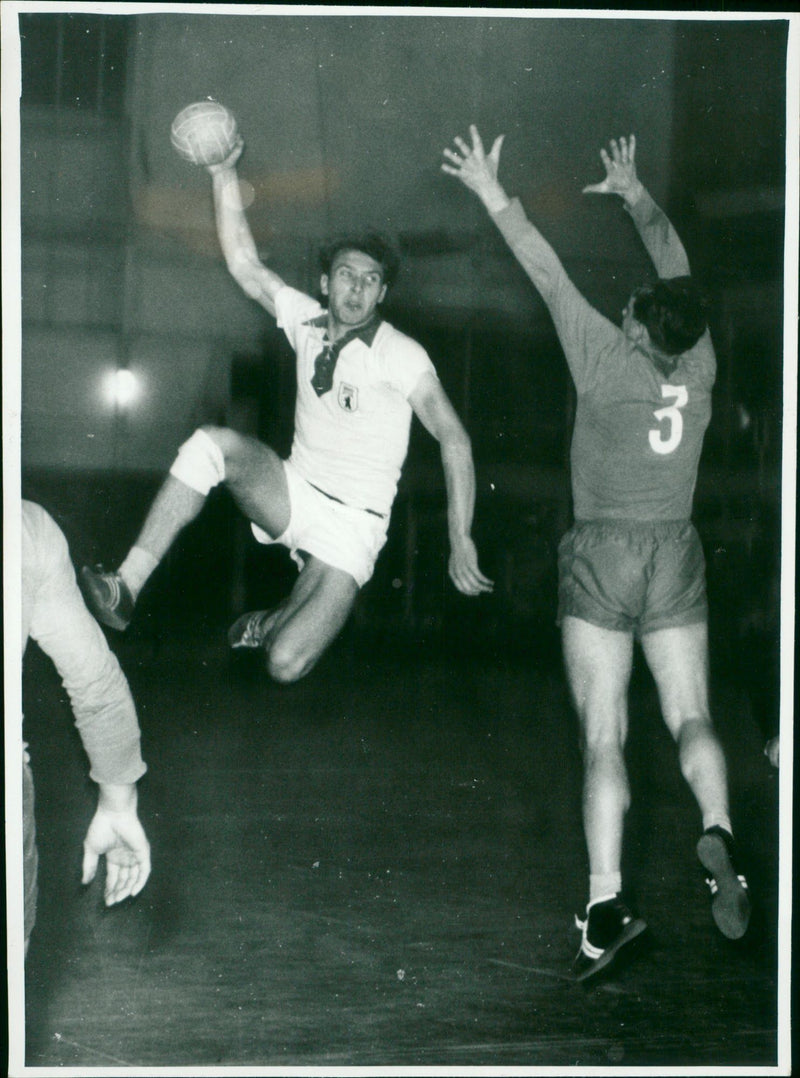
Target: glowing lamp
122, 387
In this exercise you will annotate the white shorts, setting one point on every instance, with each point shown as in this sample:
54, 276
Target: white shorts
348, 539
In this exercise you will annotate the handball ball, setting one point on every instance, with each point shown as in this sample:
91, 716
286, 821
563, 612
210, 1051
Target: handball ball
204, 133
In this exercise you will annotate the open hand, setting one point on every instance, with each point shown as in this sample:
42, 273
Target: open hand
620, 169
120, 836
464, 571
473, 166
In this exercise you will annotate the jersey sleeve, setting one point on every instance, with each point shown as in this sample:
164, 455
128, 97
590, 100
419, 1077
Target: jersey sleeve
102, 704
407, 362
589, 339
659, 237
292, 308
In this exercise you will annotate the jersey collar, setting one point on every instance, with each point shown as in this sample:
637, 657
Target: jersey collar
665, 365
365, 333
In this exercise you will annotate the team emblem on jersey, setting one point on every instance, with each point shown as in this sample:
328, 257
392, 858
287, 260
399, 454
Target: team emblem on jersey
348, 397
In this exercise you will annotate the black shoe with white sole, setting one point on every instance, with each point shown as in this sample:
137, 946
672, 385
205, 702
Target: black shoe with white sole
609, 927
730, 903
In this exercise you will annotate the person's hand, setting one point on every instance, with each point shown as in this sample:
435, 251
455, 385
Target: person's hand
119, 835
476, 169
620, 166
231, 159
463, 568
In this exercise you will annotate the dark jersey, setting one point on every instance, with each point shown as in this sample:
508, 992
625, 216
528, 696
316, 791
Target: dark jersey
638, 433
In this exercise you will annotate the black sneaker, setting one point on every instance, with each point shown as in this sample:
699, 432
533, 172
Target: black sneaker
251, 630
730, 904
107, 596
609, 926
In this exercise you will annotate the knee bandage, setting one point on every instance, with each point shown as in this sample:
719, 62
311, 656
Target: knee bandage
200, 463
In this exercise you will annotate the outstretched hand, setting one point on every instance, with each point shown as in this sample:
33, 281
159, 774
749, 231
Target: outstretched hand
620, 166
464, 571
120, 836
476, 169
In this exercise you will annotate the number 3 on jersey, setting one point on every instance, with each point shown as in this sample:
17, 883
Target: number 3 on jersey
667, 437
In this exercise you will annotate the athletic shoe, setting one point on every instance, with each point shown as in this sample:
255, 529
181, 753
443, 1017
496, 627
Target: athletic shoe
730, 904
108, 597
251, 630
609, 926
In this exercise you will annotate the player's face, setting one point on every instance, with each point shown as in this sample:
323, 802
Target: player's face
354, 288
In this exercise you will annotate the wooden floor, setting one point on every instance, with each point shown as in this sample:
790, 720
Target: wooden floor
380, 866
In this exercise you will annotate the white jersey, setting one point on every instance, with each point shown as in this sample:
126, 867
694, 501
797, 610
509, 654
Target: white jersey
352, 441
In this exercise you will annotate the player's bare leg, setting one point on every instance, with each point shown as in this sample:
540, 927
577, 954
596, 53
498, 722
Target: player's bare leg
296, 634
175, 506
252, 471
255, 476
678, 659
598, 663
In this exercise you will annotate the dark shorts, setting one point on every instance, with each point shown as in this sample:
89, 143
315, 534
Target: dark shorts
632, 576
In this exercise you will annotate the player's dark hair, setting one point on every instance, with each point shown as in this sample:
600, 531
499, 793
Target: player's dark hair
378, 247
674, 312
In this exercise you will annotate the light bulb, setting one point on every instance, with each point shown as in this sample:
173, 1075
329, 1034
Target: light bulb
122, 387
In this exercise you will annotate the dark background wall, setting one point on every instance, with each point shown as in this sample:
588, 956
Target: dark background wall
344, 120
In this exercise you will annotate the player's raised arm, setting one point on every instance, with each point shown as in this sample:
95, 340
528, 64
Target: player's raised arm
621, 178
477, 170
659, 237
570, 311
236, 239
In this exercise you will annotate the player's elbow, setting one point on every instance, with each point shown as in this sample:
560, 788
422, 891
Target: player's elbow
456, 443
241, 271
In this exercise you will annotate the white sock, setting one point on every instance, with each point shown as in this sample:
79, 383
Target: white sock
136, 569
604, 885
717, 819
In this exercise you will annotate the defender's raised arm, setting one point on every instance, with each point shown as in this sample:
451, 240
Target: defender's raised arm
570, 311
659, 237
477, 170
